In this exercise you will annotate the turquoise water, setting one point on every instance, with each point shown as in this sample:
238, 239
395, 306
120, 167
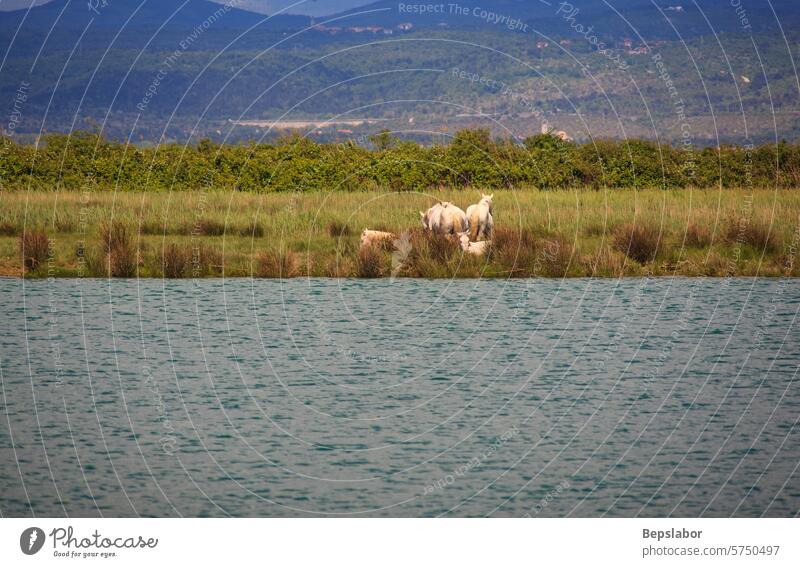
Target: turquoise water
400, 398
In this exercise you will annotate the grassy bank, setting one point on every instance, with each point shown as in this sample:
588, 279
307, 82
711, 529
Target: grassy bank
562, 233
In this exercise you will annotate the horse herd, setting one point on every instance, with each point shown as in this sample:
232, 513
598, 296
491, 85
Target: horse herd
473, 229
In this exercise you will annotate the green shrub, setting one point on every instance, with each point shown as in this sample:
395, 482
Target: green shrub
473, 158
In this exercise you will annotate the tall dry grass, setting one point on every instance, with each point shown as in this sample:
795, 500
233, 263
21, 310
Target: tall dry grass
119, 254
751, 232
8, 228
698, 236
277, 264
34, 247
638, 242
176, 261
338, 229
538, 233
210, 227
515, 250
370, 263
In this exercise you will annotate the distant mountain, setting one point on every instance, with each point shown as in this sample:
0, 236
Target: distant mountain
307, 8
132, 24
169, 66
662, 19
135, 21
151, 14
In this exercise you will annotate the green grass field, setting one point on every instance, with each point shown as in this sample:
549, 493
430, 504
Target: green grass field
553, 234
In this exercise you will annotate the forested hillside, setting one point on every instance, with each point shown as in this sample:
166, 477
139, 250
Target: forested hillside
155, 71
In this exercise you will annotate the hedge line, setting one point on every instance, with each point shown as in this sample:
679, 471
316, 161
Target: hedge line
472, 158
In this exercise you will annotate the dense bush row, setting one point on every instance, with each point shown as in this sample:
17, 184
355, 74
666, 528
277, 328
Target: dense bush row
473, 158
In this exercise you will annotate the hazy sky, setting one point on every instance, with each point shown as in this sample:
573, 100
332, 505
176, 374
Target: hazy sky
312, 7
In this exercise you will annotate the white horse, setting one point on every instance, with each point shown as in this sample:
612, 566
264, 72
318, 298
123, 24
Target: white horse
375, 237
474, 248
480, 218
444, 218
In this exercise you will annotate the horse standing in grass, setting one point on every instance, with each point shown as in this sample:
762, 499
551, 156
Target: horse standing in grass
444, 218
480, 218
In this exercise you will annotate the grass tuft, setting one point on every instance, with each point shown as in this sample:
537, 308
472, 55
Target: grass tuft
595, 229
153, 227
370, 262
33, 247
273, 264
605, 263
554, 257
206, 261
252, 230
176, 261
337, 229
698, 236
515, 250
441, 248
637, 241
753, 233
210, 227
65, 224
8, 228
118, 252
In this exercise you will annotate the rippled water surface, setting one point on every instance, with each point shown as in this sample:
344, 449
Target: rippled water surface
400, 398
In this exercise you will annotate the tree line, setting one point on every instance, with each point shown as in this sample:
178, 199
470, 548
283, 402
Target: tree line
472, 158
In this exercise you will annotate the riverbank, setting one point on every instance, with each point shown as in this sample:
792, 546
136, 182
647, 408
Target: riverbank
583, 233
